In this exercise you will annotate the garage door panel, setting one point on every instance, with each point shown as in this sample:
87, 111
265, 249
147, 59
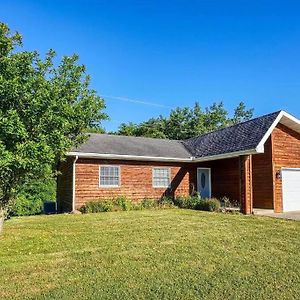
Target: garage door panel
291, 189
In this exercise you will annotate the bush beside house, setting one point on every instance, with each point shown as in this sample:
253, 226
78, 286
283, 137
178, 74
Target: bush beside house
125, 204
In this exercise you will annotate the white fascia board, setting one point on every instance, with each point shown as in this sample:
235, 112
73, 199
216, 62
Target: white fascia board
226, 155
128, 157
168, 159
260, 146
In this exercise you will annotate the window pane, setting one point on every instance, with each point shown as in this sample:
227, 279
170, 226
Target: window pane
109, 176
161, 177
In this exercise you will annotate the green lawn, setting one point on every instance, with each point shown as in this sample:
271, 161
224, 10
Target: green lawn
154, 254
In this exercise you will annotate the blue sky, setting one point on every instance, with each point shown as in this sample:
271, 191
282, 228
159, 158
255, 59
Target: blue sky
172, 53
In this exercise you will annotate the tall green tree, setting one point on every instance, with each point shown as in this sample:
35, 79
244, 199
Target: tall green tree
44, 110
185, 122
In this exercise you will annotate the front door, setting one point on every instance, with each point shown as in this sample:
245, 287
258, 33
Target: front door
203, 182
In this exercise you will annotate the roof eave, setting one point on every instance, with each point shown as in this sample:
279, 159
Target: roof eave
227, 155
129, 157
163, 159
284, 118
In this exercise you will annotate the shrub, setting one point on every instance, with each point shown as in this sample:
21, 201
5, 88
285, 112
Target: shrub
26, 206
195, 202
212, 204
32, 195
99, 206
122, 203
148, 203
187, 201
166, 201
228, 203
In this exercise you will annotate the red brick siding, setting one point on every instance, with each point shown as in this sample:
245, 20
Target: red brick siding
136, 180
64, 192
286, 153
263, 178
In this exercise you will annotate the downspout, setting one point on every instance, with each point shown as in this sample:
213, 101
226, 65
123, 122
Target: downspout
74, 183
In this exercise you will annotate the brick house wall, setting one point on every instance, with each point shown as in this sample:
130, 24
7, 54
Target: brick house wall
136, 180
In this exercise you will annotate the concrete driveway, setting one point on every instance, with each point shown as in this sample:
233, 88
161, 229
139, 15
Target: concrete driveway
291, 215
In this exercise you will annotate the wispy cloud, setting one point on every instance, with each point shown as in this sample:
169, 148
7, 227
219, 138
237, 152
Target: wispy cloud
142, 102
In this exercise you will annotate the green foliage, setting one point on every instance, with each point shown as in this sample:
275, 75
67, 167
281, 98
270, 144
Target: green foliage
95, 207
148, 203
44, 110
124, 204
26, 206
187, 201
208, 204
186, 122
166, 201
95, 130
32, 195
227, 203
242, 114
196, 202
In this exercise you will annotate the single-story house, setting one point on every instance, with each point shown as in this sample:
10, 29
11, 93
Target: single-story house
256, 163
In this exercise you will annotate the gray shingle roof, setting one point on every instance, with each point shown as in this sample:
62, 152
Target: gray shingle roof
136, 146
240, 137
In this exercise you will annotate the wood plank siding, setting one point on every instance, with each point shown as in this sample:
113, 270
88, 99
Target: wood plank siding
136, 180
64, 191
263, 178
286, 154
246, 187
225, 177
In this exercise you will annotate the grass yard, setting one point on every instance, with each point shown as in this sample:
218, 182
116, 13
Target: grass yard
151, 254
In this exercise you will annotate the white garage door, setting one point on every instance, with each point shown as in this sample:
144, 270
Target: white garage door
291, 189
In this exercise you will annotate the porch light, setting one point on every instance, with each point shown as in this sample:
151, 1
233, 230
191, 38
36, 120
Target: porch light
278, 175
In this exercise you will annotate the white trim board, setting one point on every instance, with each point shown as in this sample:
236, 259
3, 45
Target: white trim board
161, 159
127, 157
283, 118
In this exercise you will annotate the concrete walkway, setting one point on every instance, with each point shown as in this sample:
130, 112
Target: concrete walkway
291, 215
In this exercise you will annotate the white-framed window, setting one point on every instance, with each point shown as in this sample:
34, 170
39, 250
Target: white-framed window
161, 177
109, 176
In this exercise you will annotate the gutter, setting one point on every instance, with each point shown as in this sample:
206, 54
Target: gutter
74, 183
128, 157
227, 155
161, 159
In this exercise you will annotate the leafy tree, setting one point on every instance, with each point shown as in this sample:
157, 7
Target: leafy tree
186, 122
32, 195
241, 114
94, 130
44, 109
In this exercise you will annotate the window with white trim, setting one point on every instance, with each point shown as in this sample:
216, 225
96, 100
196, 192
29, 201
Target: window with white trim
161, 177
109, 176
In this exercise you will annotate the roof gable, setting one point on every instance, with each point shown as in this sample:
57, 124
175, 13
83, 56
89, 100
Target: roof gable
245, 136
